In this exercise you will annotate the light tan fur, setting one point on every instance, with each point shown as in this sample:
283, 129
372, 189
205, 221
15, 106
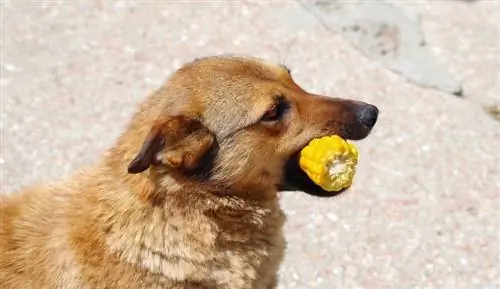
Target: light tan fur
187, 197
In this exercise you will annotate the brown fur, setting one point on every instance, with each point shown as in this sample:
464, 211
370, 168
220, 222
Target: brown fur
187, 198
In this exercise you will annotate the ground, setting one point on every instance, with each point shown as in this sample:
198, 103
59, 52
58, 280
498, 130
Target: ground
424, 211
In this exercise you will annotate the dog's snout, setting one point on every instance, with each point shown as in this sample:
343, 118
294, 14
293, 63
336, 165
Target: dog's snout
368, 115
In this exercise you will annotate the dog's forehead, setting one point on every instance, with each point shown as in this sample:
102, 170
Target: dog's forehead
239, 63
231, 92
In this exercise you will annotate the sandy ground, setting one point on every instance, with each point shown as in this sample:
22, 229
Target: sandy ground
425, 208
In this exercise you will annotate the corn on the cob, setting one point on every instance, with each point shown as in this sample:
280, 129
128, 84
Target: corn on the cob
330, 162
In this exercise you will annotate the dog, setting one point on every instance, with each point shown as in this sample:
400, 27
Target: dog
188, 195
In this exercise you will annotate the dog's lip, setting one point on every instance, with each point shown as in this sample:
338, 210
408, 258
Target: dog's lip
355, 133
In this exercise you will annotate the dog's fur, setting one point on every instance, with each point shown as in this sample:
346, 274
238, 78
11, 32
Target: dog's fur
187, 198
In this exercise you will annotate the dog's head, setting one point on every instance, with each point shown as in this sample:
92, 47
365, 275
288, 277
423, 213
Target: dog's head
240, 122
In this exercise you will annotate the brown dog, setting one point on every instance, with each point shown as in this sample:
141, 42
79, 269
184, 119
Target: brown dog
187, 198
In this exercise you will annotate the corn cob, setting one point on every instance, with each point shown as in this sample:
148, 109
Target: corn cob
330, 162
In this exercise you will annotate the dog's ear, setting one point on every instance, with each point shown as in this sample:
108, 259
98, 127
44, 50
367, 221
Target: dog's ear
178, 142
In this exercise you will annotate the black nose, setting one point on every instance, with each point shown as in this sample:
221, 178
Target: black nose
368, 115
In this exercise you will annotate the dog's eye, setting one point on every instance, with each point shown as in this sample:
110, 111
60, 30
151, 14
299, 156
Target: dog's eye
271, 115
276, 112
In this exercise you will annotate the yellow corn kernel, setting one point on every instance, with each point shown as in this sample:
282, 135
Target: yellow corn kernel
330, 162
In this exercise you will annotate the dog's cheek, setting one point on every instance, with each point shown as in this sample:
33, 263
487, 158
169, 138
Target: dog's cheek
250, 161
234, 157
229, 163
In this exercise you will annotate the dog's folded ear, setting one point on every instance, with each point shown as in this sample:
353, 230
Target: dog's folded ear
178, 142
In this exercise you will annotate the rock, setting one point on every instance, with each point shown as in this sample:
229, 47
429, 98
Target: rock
385, 33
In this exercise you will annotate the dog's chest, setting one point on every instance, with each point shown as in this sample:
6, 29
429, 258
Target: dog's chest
249, 245
228, 245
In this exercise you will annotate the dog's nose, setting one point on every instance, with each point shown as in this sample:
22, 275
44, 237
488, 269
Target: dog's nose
368, 115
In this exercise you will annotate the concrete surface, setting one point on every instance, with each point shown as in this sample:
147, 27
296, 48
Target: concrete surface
425, 208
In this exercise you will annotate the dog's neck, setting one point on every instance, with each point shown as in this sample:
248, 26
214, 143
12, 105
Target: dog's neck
152, 185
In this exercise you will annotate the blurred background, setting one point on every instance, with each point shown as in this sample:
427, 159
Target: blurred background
424, 211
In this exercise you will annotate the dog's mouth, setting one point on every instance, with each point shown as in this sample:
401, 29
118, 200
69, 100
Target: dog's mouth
295, 179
